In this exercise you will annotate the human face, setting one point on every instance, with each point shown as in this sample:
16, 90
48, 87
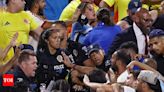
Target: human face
145, 22
42, 4
157, 45
97, 57
162, 7
20, 4
89, 12
30, 66
54, 40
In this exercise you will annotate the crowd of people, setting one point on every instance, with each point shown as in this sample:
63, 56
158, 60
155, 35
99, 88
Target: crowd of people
88, 46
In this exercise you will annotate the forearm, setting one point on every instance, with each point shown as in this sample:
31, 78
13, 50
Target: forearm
4, 52
83, 69
8, 65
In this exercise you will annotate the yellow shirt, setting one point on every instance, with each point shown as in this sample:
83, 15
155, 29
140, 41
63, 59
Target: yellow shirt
10, 23
69, 10
120, 6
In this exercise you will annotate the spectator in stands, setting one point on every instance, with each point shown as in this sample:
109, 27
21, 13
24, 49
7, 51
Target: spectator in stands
132, 8
120, 8
69, 10
147, 83
105, 31
156, 44
15, 19
83, 25
138, 33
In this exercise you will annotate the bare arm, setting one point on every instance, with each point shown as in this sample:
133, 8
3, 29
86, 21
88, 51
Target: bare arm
35, 34
12, 61
4, 52
75, 79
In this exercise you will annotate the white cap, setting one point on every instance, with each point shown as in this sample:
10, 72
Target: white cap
148, 76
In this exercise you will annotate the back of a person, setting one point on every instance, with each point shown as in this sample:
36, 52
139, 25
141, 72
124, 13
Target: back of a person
103, 35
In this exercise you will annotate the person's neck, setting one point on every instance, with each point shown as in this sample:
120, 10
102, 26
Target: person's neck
12, 9
121, 69
51, 50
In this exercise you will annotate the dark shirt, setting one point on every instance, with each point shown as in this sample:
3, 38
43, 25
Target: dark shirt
22, 83
78, 52
160, 63
129, 20
105, 65
159, 23
50, 67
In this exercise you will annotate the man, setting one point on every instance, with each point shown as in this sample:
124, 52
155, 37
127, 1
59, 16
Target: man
132, 8
156, 44
27, 64
137, 33
15, 19
147, 83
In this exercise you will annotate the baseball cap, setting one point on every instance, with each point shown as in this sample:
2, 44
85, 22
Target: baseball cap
148, 76
26, 46
92, 48
134, 5
156, 33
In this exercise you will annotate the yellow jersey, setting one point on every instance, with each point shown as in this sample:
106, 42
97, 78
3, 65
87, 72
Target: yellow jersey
10, 23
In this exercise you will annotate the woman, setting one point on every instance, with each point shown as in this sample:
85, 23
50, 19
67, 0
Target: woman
105, 31
86, 18
50, 66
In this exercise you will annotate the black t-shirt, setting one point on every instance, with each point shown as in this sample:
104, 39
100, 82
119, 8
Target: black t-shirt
105, 65
78, 51
129, 20
22, 83
160, 64
50, 67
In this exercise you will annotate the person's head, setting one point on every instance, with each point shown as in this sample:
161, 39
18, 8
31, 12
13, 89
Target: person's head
49, 39
132, 79
60, 25
133, 6
98, 76
87, 13
148, 81
96, 54
27, 62
143, 20
61, 86
150, 62
120, 59
17, 5
156, 42
130, 47
33, 5
103, 15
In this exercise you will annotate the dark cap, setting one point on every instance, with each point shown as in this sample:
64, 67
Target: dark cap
156, 33
134, 5
92, 48
26, 46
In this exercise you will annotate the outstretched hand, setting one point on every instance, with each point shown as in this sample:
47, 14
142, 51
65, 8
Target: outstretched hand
66, 60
